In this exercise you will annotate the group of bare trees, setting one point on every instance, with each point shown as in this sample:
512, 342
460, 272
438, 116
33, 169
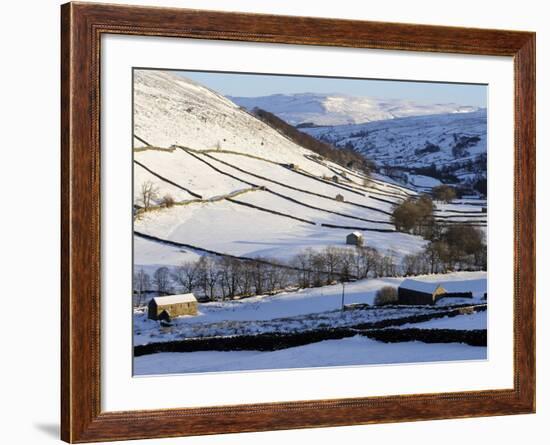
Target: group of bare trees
142, 284
344, 156
321, 267
216, 278
451, 247
458, 247
223, 278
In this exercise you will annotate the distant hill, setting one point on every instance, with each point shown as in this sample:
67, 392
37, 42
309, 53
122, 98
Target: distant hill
453, 143
309, 109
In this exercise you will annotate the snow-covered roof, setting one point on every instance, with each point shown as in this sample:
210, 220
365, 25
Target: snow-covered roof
420, 286
174, 299
357, 234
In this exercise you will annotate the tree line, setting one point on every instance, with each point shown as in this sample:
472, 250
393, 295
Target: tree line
347, 157
451, 247
225, 278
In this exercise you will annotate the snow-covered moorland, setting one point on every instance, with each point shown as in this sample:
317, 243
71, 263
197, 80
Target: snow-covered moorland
340, 109
455, 144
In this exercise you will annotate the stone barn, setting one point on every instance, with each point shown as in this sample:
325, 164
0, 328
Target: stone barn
162, 308
355, 239
419, 292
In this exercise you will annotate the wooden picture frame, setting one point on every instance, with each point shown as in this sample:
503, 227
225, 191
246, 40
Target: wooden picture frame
82, 26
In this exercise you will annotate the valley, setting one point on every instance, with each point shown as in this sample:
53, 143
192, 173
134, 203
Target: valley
256, 226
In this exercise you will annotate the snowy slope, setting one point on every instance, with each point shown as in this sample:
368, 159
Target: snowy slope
228, 228
245, 199
339, 109
171, 110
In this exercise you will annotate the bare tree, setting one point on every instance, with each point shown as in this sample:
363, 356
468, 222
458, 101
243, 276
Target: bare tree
301, 262
246, 279
162, 280
259, 271
230, 271
437, 256
208, 276
142, 283
332, 259
186, 275
149, 192
415, 264
444, 193
364, 261
276, 278
316, 262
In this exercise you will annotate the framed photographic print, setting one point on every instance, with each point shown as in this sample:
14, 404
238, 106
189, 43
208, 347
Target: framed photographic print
277, 222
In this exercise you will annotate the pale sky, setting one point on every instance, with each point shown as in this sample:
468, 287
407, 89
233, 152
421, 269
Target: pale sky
253, 85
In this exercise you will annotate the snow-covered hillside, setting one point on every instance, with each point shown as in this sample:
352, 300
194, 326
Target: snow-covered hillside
420, 141
339, 109
256, 193
171, 110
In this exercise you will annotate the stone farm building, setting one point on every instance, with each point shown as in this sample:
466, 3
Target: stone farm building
172, 306
419, 292
355, 239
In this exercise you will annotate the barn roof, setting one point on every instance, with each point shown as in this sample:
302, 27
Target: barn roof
357, 234
174, 299
420, 286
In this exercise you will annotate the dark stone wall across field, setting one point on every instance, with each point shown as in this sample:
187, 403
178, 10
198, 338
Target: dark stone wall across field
277, 341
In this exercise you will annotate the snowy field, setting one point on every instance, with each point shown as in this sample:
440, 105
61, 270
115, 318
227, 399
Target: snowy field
225, 227
286, 193
346, 352
326, 298
301, 310
477, 320
310, 309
